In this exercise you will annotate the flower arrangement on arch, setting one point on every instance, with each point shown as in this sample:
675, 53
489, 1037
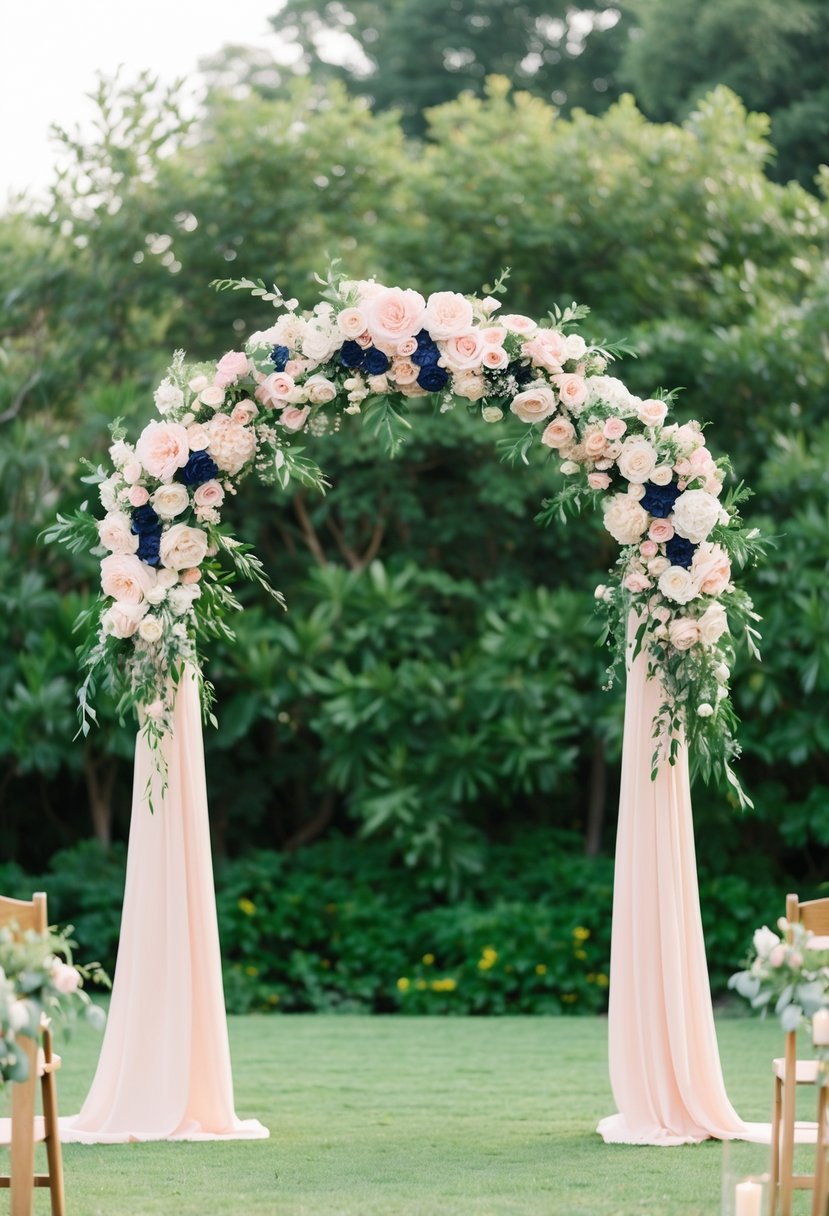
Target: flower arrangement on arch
378, 352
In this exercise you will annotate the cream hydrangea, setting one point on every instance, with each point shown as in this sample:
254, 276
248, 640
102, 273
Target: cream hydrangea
625, 519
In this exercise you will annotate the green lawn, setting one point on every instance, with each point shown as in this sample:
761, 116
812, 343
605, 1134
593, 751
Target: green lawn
422, 1116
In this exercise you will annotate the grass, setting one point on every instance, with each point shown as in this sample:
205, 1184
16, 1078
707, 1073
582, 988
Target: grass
418, 1117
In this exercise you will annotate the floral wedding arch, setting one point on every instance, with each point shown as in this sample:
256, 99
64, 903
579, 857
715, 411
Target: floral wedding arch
380, 353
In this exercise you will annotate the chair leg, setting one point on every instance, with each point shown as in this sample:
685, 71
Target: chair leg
787, 1149
23, 1135
774, 1164
54, 1155
819, 1191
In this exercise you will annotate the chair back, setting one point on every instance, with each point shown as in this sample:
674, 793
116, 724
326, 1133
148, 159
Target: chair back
25, 913
813, 915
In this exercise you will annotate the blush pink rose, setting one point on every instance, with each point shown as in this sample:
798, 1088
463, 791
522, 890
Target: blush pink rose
597, 481
465, 352
683, 633
517, 323
494, 357
636, 582
493, 335
138, 496
614, 428
649, 548
448, 315
652, 412
209, 494
294, 419
131, 472
351, 322
365, 340
115, 533
661, 530
243, 412
163, 448
572, 389
275, 389
126, 578
534, 404
559, 433
231, 367
548, 349
198, 436
406, 348
190, 576
403, 371
594, 444
394, 313
711, 568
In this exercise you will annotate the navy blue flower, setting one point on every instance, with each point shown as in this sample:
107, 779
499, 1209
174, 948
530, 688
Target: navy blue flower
432, 378
352, 355
199, 468
659, 500
427, 352
145, 520
279, 357
679, 551
148, 545
375, 362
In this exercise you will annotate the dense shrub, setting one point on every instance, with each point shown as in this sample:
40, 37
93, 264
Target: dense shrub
344, 926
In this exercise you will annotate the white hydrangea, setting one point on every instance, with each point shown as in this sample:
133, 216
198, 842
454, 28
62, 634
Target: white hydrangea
168, 397
612, 392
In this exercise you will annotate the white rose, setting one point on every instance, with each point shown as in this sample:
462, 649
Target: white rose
150, 629
624, 519
764, 941
492, 413
713, 624
657, 566
637, 460
351, 322
122, 619
213, 396
182, 547
170, 500
180, 599
320, 341
448, 315
576, 346
115, 534
694, 515
320, 390
167, 397
636, 490
676, 584
167, 578
662, 475
611, 391
705, 710
470, 385
569, 467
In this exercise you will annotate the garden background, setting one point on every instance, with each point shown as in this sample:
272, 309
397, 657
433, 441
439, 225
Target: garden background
413, 785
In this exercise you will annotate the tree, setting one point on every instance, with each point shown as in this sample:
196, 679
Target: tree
772, 55
411, 55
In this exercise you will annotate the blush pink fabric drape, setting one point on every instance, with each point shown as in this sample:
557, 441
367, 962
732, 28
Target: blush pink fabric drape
664, 1060
164, 1069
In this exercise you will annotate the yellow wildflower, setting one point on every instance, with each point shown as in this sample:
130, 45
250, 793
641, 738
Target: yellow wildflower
273, 999
540, 969
420, 985
489, 957
403, 984
580, 933
444, 985
428, 959
251, 970
580, 954
602, 980
569, 997
247, 906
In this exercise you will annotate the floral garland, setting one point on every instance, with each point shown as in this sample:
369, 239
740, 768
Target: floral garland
789, 974
371, 350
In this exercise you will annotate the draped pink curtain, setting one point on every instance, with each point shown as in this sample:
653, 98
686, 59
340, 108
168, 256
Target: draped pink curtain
164, 1069
664, 1060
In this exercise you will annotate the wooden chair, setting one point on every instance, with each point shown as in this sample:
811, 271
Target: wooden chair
820, 1196
789, 1072
25, 1128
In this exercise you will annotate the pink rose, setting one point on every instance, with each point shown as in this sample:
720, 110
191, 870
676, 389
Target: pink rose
163, 448
403, 371
711, 568
559, 434
121, 620
465, 351
596, 481
637, 582
212, 396
191, 575
493, 335
661, 530
275, 389
594, 444
683, 633
572, 389
209, 494
65, 978
351, 322
517, 323
494, 357
138, 496
406, 348
392, 313
294, 419
115, 533
614, 428
536, 402
649, 548
131, 472
365, 340
448, 315
243, 412
182, 546
701, 462
652, 412
126, 578
198, 437
231, 367
548, 349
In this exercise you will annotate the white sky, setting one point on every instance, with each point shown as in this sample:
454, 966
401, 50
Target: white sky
52, 50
